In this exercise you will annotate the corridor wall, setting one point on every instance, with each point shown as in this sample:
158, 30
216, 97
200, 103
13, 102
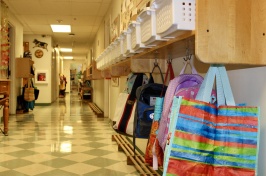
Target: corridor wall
42, 64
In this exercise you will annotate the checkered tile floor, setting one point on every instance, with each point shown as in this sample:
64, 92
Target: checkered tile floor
64, 139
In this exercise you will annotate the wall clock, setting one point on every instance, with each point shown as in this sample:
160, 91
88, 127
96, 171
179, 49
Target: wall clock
38, 53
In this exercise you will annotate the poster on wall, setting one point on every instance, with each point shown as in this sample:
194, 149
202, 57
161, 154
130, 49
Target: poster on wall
41, 76
115, 28
115, 81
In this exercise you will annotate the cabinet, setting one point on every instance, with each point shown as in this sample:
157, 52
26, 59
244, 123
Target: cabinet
4, 101
23, 67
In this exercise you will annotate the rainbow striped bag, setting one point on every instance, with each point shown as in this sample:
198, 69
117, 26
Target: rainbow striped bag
210, 140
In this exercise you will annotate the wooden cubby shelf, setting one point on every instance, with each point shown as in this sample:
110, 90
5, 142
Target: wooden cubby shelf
23, 68
136, 159
174, 48
96, 109
236, 36
144, 61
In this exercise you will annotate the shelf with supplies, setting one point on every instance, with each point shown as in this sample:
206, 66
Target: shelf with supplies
158, 33
144, 61
238, 39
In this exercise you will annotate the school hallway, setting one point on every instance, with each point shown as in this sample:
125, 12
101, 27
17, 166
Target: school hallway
64, 139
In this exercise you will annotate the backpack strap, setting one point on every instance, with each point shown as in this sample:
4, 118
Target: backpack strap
169, 72
151, 80
122, 126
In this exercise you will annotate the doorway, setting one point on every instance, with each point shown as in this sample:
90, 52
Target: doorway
75, 77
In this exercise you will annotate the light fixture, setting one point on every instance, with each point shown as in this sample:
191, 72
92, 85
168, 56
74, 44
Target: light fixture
60, 28
66, 49
68, 57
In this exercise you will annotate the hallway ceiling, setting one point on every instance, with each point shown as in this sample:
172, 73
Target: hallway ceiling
84, 16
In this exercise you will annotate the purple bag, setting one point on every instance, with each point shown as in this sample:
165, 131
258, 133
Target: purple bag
177, 86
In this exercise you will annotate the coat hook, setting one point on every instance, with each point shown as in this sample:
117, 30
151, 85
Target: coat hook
156, 58
188, 53
169, 60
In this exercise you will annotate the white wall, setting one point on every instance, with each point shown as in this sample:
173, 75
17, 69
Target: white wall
249, 86
42, 64
99, 95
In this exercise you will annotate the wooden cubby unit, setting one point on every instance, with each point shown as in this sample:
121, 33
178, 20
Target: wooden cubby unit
23, 68
231, 32
93, 73
144, 61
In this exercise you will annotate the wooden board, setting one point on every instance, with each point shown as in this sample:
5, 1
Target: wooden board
173, 48
106, 74
120, 69
231, 31
146, 65
137, 160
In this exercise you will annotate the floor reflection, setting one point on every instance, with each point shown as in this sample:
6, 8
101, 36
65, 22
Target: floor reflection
64, 139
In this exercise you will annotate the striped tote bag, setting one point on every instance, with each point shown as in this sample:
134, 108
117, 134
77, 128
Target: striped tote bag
210, 140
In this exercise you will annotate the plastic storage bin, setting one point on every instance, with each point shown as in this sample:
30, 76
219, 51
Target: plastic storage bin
126, 43
173, 17
136, 44
147, 20
117, 50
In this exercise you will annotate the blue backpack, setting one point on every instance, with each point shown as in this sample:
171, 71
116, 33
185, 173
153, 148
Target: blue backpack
145, 98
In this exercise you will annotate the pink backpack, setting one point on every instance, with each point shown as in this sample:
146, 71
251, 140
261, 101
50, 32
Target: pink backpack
186, 85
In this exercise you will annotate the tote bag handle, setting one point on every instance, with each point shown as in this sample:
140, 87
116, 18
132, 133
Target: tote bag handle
193, 70
224, 91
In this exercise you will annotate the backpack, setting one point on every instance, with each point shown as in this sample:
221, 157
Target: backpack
153, 153
131, 77
125, 106
180, 83
145, 98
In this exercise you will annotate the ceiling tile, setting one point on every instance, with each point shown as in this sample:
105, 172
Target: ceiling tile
82, 29
85, 17
35, 19
107, 1
85, 8
83, 20
56, 8
41, 29
103, 9
95, 29
98, 21
27, 7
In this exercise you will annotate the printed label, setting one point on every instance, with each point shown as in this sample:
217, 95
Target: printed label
152, 101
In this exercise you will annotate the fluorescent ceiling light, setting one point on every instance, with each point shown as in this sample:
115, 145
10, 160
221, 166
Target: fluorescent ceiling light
61, 28
66, 49
68, 57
